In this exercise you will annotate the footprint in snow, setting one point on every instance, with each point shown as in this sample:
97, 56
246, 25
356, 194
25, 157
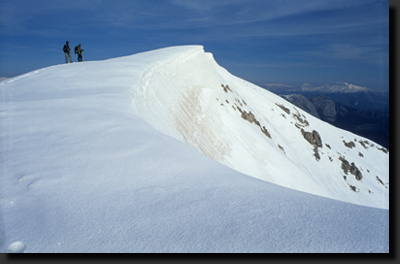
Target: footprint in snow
16, 247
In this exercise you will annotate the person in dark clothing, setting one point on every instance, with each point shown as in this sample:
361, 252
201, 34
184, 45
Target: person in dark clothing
67, 53
79, 50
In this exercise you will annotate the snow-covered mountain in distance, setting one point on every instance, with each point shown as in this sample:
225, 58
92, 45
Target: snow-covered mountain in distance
81, 171
339, 87
340, 92
191, 98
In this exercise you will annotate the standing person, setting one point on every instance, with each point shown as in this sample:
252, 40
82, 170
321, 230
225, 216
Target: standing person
66, 50
79, 50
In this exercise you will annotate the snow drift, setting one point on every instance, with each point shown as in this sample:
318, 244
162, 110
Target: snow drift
81, 172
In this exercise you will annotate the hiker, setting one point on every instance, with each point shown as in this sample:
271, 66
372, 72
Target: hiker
79, 50
66, 50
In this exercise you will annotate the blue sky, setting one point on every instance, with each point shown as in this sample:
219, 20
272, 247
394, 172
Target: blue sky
263, 41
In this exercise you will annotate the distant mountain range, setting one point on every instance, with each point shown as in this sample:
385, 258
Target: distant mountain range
340, 87
342, 92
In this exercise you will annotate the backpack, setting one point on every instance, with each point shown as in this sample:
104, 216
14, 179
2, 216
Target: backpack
76, 50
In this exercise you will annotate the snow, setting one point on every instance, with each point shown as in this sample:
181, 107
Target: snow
136, 154
194, 107
339, 87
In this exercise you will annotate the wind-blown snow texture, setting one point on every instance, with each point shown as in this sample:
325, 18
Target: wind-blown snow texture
84, 170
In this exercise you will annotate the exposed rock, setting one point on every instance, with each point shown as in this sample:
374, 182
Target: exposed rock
226, 88
364, 143
316, 154
353, 188
281, 148
238, 101
265, 131
301, 120
383, 150
355, 171
349, 144
347, 167
284, 108
313, 138
327, 145
379, 180
249, 116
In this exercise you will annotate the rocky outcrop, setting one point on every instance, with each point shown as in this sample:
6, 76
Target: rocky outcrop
249, 116
349, 144
287, 111
347, 167
313, 138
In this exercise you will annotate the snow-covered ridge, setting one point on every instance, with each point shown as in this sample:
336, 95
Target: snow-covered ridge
184, 93
191, 98
81, 172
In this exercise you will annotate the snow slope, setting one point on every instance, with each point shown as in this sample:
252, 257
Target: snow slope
84, 170
191, 98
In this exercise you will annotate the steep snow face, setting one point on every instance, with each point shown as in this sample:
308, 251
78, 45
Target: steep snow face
190, 97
